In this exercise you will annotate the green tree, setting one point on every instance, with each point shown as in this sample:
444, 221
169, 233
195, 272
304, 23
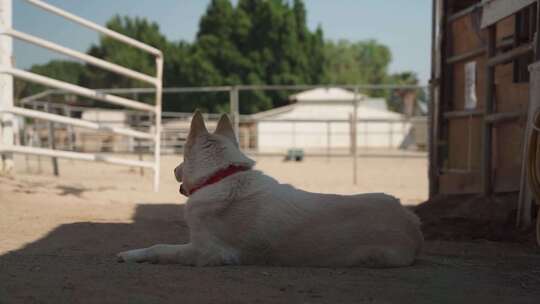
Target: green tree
68, 71
363, 62
125, 55
254, 42
396, 98
260, 42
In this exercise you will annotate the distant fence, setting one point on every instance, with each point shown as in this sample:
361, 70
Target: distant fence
256, 136
259, 134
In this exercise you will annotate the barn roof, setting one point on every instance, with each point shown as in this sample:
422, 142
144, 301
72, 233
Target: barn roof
328, 103
325, 94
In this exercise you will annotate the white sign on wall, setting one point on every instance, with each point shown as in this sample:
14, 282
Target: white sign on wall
470, 85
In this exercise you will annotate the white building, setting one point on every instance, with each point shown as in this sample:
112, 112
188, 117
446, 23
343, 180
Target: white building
104, 141
319, 121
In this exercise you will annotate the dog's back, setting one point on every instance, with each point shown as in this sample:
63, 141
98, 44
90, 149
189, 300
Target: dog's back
336, 230
278, 224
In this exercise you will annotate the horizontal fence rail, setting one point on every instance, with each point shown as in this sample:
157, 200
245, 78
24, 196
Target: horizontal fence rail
172, 90
81, 56
77, 122
76, 155
82, 91
96, 27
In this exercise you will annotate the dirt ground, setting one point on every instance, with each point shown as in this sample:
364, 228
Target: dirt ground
59, 237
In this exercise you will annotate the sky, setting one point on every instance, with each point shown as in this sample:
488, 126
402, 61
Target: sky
403, 25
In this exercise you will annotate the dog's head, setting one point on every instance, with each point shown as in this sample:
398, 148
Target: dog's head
206, 153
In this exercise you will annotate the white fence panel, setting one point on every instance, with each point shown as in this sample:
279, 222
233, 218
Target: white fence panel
7, 72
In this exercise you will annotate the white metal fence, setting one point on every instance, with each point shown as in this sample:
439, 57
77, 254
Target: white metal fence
7, 108
350, 129
256, 135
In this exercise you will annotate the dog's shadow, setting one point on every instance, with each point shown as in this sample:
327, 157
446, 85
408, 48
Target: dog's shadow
152, 223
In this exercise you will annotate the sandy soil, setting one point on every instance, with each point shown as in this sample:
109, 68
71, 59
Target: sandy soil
59, 236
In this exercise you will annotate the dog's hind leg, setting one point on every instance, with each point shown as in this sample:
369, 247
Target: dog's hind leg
184, 254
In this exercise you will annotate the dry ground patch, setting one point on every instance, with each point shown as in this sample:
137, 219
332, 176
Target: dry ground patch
59, 236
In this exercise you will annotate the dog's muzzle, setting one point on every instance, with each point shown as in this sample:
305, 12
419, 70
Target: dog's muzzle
183, 190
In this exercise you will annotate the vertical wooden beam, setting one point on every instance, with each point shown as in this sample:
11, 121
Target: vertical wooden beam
435, 89
527, 206
537, 35
487, 153
524, 215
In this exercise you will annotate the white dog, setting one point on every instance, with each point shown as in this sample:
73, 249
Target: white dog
237, 215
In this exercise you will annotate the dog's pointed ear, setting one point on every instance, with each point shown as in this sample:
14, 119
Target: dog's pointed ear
225, 128
197, 125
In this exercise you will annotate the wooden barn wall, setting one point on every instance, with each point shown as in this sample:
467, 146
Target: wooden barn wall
461, 172
509, 97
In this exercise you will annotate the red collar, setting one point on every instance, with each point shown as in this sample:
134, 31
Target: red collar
221, 174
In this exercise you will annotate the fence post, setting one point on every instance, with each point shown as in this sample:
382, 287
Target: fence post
391, 143
235, 110
138, 146
7, 123
137, 140
157, 139
69, 128
36, 139
328, 141
354, 129
294, 134
52, 141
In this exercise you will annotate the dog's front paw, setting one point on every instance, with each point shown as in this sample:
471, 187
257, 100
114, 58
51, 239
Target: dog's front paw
137, 255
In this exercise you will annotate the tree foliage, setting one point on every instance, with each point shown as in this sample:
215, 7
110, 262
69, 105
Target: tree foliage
395, 98
68, 71
252, 42
359, 62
